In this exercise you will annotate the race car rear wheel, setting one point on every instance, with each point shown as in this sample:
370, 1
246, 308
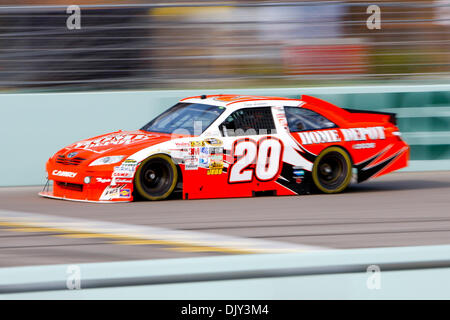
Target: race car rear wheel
332, 170
156, 177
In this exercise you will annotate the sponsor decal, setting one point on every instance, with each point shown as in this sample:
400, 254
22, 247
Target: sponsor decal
353, 134
129, 161
298, 174
66, 174
125, 193
204, 157
182, 144
123, 180
364, 146
112, 192
363, 134
216, 150
124, 171
191, 163
101, 180
126, 167
194, 151
204, 162
322, 136
215, 168
197, 143
214, 142
122, 174
282, 120
116, 139
216, 158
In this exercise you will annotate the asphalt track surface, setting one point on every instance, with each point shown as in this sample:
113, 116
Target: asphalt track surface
400, 209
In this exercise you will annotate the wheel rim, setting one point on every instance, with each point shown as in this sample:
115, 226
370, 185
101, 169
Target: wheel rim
156, 177
332, 171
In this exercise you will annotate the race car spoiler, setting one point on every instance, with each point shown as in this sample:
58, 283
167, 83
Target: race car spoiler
392, 116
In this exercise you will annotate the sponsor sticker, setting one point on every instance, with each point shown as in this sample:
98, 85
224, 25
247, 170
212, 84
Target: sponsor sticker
364, 134
101, 180
364, 146
197, 143
204, 161
298, 174
352, 134
322, 136
214, 142
66, 174
191, 163
215, 168
124, 180
116, 139
125, 193
125, 170
112, 192
122, 174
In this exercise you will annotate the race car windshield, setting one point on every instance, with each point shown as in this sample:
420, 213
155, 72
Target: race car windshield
187, 118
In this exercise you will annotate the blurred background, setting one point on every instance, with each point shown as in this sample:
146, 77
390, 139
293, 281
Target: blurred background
212, 44
154, 53
129, 60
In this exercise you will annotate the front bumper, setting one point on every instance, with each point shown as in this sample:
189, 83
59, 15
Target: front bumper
70, 183
50, 194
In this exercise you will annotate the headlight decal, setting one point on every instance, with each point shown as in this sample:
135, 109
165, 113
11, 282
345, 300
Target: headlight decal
106, 160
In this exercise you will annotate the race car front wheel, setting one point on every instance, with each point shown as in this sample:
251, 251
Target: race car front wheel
332, 170
156, 177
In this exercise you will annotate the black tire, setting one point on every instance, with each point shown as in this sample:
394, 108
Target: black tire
332, 170
156, 177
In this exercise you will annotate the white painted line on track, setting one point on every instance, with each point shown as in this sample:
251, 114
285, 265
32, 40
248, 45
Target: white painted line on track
163, 235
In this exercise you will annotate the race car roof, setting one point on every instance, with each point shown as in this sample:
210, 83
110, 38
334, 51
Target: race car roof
229, 99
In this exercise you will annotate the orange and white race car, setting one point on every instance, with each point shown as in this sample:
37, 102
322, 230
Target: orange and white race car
220, 146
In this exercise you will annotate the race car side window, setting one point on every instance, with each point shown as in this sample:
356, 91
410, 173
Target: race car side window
300, 119
249, 121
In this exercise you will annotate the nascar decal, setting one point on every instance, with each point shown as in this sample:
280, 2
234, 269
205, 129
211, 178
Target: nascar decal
260, 160
214, 142
332, 136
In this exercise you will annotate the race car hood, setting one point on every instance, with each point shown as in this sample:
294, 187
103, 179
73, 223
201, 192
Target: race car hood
115, 143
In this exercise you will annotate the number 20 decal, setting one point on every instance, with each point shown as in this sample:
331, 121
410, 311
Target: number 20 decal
261, 159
